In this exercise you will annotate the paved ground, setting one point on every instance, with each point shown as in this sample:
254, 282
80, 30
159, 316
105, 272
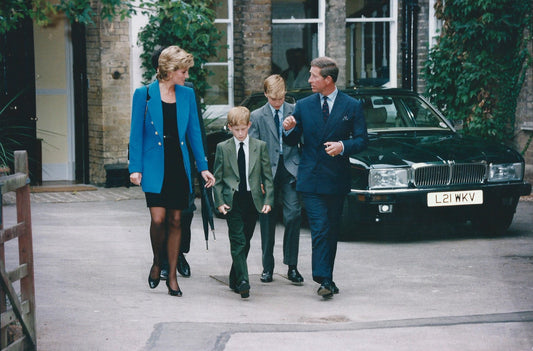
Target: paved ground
453, 291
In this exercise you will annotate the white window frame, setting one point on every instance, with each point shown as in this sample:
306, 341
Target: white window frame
214, 111
393, 39
434, 25
320, 22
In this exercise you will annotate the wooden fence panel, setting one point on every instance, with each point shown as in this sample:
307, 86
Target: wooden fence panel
23, 309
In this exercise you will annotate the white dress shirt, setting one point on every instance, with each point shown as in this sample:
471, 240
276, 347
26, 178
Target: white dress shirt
245, 147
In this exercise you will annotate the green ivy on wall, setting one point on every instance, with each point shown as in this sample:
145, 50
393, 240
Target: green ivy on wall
476, 71
188, 24
12, 12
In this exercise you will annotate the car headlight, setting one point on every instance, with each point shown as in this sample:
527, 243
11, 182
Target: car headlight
504, 172
388, 178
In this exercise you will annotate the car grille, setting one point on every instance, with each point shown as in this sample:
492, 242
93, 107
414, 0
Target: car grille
449, 174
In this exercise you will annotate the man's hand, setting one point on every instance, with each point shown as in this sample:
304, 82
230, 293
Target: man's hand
223, 209
289, 123
209, 178
333, 148
266, 209
136, 178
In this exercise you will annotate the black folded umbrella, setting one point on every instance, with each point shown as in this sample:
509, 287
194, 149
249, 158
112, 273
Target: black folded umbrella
207, 211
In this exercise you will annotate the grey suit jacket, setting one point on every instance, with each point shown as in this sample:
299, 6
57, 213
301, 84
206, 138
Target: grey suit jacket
226, 172
264, 128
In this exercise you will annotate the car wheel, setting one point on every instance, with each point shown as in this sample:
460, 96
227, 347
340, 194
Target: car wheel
349, 228
494, 223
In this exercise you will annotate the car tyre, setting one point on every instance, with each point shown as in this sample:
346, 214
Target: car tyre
350, 229
495, 223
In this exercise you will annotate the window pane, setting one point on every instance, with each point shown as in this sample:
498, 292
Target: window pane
293, 47
367, 8
217, 94
223, 51
367, 53
221, 8
287, 9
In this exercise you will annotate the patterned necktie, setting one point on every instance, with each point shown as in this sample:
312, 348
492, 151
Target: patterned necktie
325, 109
242, 169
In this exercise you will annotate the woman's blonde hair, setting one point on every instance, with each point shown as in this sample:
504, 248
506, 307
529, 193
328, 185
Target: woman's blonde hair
274, 86
238, 115
172, 59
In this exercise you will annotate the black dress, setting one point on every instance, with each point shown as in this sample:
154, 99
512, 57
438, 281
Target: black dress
175, 191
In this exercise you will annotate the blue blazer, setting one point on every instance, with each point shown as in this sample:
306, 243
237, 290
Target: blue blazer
146, 135
318, 172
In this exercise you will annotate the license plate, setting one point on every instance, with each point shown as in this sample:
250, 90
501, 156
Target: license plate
455, 198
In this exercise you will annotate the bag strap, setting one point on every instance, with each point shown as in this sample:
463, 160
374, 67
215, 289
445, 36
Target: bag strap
146, 105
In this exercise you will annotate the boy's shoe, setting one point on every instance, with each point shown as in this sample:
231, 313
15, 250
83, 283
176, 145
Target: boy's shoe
244, 289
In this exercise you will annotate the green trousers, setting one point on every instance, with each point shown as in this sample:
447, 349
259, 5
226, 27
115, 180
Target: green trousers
241, 220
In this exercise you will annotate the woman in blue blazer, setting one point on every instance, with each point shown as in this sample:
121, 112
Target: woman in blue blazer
164, 114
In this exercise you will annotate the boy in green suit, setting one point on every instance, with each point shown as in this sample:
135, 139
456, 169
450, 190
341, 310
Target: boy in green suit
243, 188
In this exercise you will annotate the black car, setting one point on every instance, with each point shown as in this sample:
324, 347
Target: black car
418, 168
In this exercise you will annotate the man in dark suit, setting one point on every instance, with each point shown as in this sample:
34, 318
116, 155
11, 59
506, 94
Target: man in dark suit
333, 127
284, 159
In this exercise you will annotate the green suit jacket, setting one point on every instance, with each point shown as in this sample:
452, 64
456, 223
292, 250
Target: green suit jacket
227, 174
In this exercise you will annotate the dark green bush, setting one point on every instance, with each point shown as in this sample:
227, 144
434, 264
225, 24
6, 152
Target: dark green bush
188, 24
12, 12
475, 72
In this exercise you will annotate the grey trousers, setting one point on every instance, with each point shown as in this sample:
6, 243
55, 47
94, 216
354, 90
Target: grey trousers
285, 195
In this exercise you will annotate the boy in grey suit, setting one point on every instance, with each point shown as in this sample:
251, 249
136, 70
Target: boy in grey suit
243, 189
266, 125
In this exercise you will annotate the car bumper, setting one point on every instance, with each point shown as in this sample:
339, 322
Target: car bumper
404, 205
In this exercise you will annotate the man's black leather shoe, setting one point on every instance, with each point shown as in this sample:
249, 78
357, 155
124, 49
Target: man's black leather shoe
295, 276
266, 277
244, 289
183, 266
334, 288
325, 290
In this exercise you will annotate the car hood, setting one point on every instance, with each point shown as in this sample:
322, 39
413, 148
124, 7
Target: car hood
404, 150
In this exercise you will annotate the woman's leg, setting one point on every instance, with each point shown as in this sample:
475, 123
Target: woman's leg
157, 237
173, 245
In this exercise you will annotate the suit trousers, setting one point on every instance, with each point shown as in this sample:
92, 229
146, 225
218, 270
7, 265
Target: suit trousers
285, 194
324, 214
241, 220
186, 221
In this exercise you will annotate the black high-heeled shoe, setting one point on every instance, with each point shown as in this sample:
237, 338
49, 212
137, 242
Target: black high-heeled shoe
153, 283
173, 292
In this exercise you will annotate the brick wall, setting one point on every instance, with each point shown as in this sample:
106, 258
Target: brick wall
253, 45
423, 43
399, 47
336, 36
109, 100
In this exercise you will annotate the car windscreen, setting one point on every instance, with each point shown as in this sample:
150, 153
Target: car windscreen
394, 112
383, 112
